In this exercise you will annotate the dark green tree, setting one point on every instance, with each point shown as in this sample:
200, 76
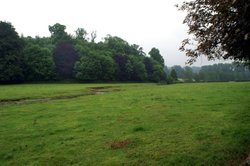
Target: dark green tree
39, 65
155, 71
44, 42
155, 54
117, 45
107, 68
138, 71
65, 57
158, 74
81, 34
123, 67
148, 62
64, 54
136, 50
95, 67
58, 33
88, 69
11, 60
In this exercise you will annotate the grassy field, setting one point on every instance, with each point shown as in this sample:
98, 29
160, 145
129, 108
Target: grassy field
129, 124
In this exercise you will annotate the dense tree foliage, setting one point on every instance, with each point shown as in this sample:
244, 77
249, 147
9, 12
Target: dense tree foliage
64, 53
58, 33
39, 65
95, 67
155, 54
124, 68
138, 72
11, 60
81, 34
128, 61
154, 70
221, 29
64, 56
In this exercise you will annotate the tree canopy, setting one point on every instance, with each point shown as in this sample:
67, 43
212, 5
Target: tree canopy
221, 29
39, 65
58, 33
63, 56
155, 54
11, 60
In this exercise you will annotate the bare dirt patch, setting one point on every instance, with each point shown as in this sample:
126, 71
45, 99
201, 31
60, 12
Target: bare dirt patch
105, 89
246, 162
119, 144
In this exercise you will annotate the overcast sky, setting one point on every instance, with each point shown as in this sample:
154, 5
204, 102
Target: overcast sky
148, 23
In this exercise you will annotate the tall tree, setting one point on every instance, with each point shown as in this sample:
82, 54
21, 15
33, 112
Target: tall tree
138, 69
11, 60
221, 29
123, 67
117, 45
81, 33
64, 54
155, 54
65, 57
93, 36
149, 66
58, 33
155, 71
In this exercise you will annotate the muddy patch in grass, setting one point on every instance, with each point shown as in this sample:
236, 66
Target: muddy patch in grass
90, 91
105, 89
124, 143
246, 162
119, 144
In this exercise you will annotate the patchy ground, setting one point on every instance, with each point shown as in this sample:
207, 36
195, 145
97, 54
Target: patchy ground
90, 91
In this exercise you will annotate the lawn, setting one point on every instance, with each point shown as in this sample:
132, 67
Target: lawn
126, 124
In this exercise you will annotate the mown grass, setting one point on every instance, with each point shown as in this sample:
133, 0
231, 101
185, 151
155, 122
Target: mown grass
143, 124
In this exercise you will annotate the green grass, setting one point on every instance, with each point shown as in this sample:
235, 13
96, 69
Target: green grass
143, 124
12, 92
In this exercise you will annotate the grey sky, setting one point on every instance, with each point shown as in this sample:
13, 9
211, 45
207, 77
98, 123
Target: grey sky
148, 23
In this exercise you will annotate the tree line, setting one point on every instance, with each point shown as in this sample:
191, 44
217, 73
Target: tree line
209, 73
64, 56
